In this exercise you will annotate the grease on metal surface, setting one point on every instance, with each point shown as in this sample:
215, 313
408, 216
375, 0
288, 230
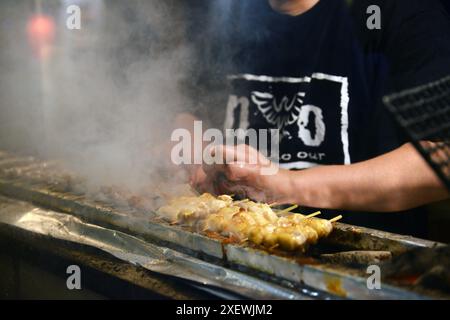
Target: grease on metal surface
334, 286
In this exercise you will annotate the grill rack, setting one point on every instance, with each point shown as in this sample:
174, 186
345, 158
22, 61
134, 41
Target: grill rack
424, 114
334, 279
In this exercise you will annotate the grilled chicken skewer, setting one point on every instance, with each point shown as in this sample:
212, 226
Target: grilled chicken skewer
321, 226
247, 220
290, 233
189, 210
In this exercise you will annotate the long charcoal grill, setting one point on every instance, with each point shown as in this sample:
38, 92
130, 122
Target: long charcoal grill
28, 179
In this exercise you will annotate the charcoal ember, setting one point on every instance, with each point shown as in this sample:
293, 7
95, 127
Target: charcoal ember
437, 278
428, 266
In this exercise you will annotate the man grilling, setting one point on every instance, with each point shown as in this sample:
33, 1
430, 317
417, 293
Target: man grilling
313, 70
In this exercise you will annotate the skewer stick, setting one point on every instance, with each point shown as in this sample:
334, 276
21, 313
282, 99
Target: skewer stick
273, 204
336, 218
312, 215
287, 210
274, 246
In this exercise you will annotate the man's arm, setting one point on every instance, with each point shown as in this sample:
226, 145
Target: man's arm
396, 181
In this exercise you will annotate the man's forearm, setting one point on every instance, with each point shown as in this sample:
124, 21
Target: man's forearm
395, 181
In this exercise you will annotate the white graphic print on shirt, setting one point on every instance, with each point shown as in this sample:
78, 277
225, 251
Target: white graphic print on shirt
310, 112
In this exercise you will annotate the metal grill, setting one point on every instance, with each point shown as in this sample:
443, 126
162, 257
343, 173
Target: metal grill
424, 113
47, 185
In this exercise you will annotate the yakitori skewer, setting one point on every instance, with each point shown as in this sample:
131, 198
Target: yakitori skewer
287, 210
312, 215
336, 218
245, 220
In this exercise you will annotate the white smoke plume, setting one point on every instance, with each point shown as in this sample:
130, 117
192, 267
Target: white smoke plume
106, 94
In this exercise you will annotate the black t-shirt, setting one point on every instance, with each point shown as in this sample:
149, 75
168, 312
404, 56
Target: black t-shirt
319, 77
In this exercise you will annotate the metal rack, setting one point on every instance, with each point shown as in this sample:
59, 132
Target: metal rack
424, 114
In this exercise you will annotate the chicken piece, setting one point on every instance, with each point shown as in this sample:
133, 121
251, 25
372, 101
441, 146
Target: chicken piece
257, 218
264, 211
246, 219
214, 223
296, 223
291, 241
255, 222
288, 238
269, 237
237, 228
231, 221
258, 234
217, 222
255, 235
321, 226
189, 210
294, 218
298, 236
286, 222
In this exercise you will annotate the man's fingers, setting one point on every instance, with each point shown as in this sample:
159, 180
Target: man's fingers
242, 154
197, 175
240, 171
241, 190
224, 154
234, 171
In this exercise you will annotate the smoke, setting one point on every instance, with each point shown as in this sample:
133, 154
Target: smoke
105, 97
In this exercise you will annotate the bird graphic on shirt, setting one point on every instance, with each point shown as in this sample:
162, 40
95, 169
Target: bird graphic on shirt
279, 113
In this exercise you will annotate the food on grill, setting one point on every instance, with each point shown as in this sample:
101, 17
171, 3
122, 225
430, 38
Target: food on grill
321, 226
188, 210
258, 210
246, 220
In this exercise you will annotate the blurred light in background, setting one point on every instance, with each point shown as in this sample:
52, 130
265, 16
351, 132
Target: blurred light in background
41, 35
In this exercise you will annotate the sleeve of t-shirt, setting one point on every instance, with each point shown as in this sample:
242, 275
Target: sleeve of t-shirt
416, 42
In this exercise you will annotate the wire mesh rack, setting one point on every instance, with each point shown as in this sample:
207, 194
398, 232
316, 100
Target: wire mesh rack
424, 113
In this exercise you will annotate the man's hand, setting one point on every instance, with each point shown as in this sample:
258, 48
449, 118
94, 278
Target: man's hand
396, 181
245, 172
